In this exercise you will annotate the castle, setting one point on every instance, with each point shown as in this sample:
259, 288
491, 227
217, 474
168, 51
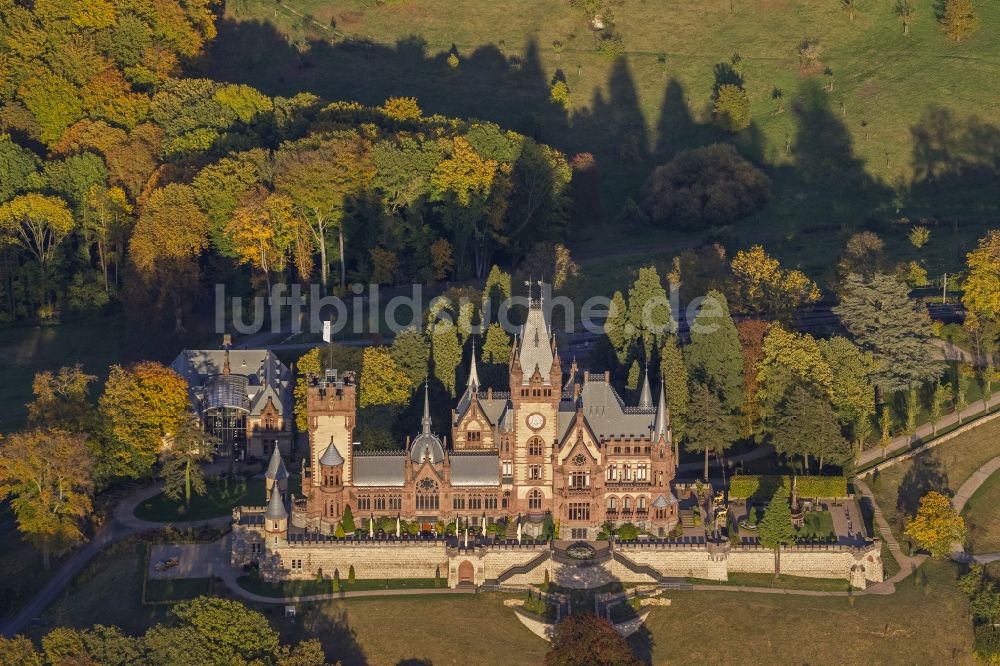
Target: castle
566, 447
558, 449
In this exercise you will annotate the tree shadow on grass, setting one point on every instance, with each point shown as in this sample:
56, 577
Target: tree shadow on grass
338, 638
926, 474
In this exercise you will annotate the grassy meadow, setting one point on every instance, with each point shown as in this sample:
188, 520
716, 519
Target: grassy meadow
905, 124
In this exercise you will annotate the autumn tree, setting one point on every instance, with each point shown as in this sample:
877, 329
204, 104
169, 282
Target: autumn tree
105, 219
805, 425
170, 234
583, 639
182, 458
710, 427
62, 400
883, 320
46, 474
765, 288
37, 224
905, 12
446, 353
714, 356
442, 258
751, 333
789, 359
383, 381
320, 177
959, 19
851, 390
937, 527
142, 406
981, 289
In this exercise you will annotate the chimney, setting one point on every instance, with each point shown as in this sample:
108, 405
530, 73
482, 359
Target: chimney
227, 341
607, 376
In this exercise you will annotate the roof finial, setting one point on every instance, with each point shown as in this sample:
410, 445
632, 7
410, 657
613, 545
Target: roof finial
426, 421
473, 371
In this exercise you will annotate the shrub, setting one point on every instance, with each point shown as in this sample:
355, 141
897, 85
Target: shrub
763, 487
732, 108
628, 532
705, 187
960, 19
611, 46
559, 93
350, 575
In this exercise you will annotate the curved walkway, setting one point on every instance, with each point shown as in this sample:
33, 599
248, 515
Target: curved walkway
962, 497
122, 525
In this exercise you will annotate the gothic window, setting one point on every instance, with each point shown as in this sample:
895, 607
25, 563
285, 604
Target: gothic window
474, 436
580, 459
641, 504
579, 511
535, 499
612, 504
627, 504
475, 502
534, 472
579, 480
641, 472
535, 446
491, 502
458, 502
380, 503
395, 502
506, 499
364, 503
427, 497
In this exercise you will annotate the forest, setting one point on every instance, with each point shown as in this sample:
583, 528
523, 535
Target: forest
126, 181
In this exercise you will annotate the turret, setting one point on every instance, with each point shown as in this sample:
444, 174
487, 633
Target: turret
331, 465
276, 474
276, 516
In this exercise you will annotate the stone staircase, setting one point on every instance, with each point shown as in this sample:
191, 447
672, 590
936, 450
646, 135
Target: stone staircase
511, 533
527, 567
687, 519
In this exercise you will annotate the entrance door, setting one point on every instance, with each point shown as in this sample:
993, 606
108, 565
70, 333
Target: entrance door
466, 572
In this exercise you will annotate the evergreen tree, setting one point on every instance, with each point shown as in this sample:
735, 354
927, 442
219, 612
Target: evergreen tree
715, 356
884, 320
632, 382
649, 310
447, 354
496, 290
618, 330
675, 375
710, 428
775, 528
806, 425
411, 353
852, 391
496, 347
181, 472
347, 520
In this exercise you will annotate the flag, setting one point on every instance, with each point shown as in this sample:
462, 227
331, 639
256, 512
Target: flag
327, 332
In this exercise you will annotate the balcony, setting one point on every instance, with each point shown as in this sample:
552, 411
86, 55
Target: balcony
619, 485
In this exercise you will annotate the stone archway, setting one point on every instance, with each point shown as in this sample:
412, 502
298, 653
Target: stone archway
466, 572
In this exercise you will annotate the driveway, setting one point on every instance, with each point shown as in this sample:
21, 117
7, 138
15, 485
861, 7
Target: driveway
197, 560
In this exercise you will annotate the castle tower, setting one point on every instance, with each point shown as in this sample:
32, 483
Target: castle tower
275, 517
535, 392
331, 403
276, 475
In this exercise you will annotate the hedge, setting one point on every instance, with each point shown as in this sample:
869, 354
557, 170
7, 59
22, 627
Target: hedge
764, 486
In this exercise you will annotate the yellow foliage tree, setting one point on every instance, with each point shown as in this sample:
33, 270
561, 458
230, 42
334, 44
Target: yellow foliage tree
465, 174
937, 526
765, 287
982, 287
263, 230
47, 475
789, 358
382, 380
37, 223
402, 108
143, 406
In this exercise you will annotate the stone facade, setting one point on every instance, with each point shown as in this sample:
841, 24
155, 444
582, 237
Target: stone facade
556, 446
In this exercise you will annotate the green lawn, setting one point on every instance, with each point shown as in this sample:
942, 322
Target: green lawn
945, 467
785, 582
983, 517
301, 588
839, 144
817, 525
919, 624
219, 500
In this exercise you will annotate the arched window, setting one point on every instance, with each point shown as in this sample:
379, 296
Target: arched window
535, 446
641, 504
612, 504
427, 495
535, 499
627, 504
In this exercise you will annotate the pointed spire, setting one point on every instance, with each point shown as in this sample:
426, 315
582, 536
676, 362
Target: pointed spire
276, 508
276, 468
662, 424
646, 396
473, 383
425, 422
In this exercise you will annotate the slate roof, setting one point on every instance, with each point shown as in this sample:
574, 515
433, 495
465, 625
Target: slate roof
331, 457
536, 345
607, 415
276, 467
380, 469
276, 507
264, 374
475, 469
662, 502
